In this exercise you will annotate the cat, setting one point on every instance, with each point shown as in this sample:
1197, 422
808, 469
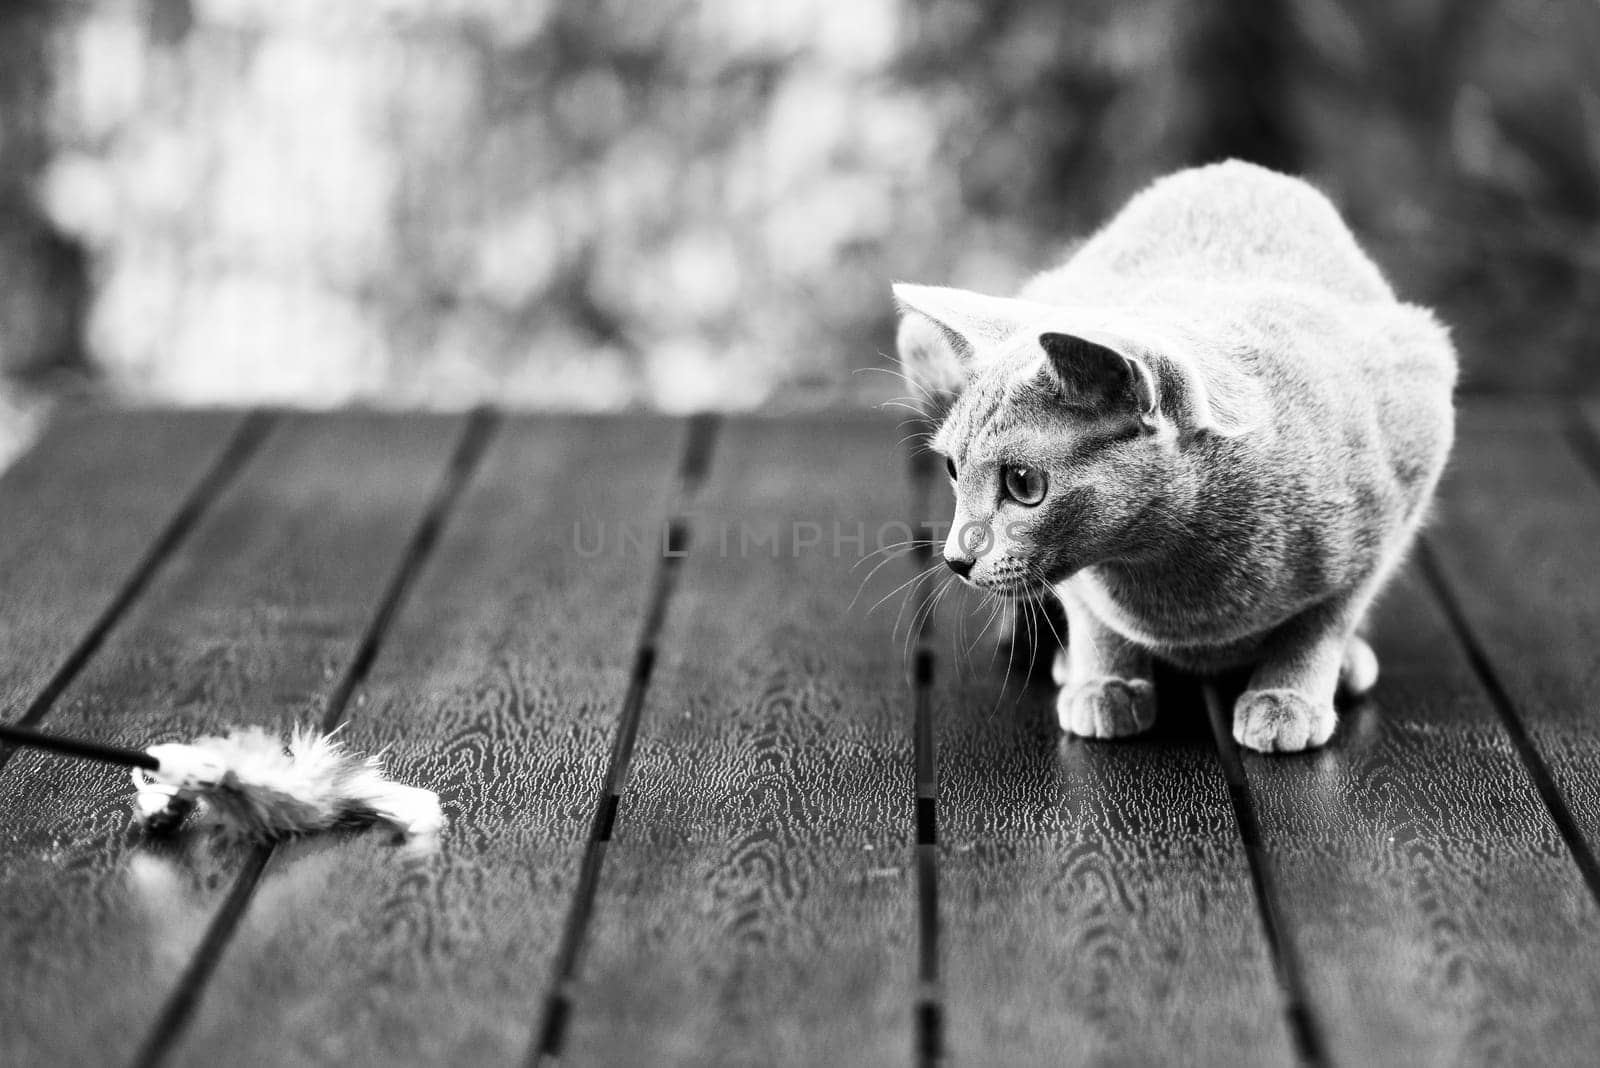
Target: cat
1212, 433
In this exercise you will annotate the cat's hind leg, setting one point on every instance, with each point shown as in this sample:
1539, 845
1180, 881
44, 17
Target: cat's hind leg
1358, 671
1061, 667
1288, 706
1106, 689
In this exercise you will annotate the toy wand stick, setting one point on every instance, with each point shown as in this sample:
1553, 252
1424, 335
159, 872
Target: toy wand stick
78, 747
254, 784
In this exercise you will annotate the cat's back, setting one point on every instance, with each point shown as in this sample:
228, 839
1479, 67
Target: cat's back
1215, 224
1252, 277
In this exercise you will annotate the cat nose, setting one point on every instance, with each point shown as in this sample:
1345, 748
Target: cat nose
960, 567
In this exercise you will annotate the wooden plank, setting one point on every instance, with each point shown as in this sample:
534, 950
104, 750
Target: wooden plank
499, 685
1518, 542
1438, 917
1096, 903
77, 515
756, 904
252, 621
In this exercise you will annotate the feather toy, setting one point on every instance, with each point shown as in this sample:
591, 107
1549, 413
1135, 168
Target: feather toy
250, 785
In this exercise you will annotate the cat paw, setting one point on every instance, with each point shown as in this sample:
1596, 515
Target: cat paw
1061, 668
1281, 721
1107, 707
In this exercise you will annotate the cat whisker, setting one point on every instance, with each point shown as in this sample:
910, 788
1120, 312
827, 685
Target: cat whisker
920, 387
891, 553
907, 404
1032, 616
897, 547
919, 420
923, 616
994, 612
1033, 610
1061, 639
909, 585
1003, 604
890, 371
1005, 683
924, 434
952, 583
924, 445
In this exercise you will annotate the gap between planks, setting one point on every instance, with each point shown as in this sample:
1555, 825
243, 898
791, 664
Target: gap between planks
928, 1014
242, 445
549, 1036
1582, 438
928, 1022
1304, 1031
179, 1007
928, 1011
1505, 708
928, 1008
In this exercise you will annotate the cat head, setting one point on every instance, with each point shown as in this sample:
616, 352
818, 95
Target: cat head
1063, 429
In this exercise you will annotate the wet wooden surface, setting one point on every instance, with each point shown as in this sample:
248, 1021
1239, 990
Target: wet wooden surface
498, 685
709, 806
251, 621
1128, 856
756, 902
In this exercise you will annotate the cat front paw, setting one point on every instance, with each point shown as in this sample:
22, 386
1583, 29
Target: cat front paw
1282, 721
1107, 707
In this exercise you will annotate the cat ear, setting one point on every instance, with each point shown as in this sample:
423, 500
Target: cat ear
942, 330
928, 357
1097, 376
1108, 371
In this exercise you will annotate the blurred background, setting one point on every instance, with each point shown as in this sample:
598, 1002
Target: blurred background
684, 204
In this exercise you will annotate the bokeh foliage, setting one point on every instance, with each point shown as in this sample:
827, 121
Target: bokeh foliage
688, 203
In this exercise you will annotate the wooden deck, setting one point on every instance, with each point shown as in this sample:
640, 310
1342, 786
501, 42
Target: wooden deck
704, 810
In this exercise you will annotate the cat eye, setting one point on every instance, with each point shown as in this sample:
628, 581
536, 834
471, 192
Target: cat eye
950, 466
1025, 485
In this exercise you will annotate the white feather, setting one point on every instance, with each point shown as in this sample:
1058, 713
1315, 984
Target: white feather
254, 786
